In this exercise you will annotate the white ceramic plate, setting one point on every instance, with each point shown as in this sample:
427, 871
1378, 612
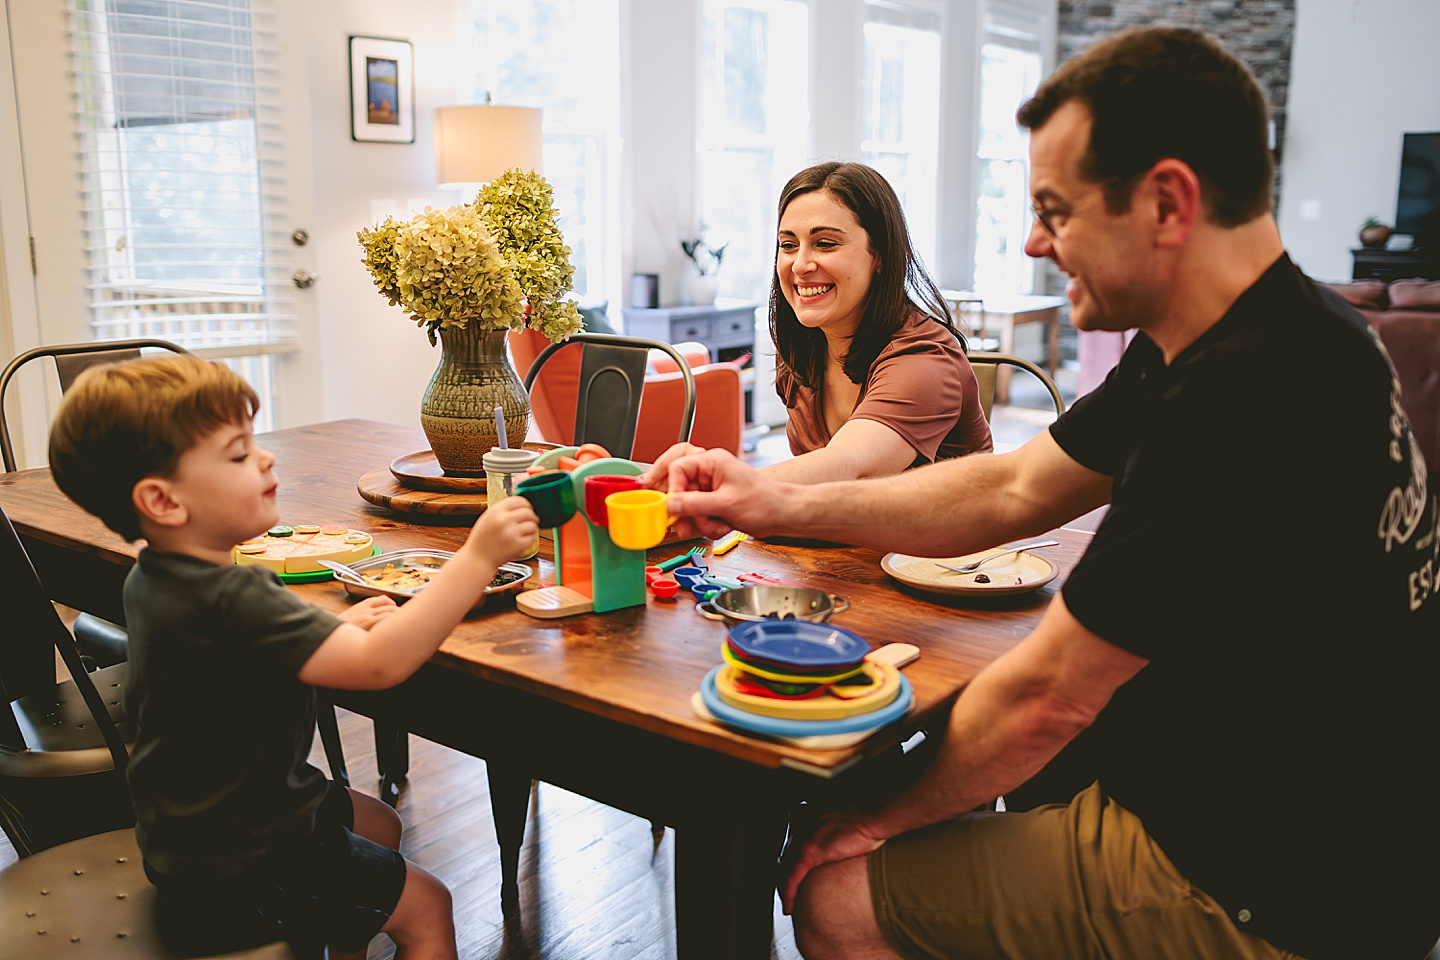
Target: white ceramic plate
1020, 573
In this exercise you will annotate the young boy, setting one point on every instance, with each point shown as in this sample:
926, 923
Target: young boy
245, 841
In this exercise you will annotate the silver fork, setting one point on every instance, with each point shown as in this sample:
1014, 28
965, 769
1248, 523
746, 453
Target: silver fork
975, 565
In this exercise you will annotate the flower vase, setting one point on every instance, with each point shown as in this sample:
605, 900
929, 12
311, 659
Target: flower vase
457, 412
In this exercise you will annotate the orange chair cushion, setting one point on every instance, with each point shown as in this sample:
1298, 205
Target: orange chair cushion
719, 401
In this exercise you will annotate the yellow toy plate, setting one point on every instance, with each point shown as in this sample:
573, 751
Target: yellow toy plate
883, 691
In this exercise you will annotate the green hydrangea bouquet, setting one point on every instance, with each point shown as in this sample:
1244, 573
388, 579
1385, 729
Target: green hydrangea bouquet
499, 260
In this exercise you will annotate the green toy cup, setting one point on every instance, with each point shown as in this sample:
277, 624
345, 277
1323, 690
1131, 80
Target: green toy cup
552, 495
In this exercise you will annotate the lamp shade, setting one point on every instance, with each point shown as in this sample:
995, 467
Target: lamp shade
475, 144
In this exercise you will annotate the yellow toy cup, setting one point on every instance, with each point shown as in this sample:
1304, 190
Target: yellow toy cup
638, 519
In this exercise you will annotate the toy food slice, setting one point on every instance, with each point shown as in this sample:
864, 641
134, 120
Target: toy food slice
300, 548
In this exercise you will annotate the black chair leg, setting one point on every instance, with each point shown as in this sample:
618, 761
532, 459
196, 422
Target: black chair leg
509, 807
329, 727
392, 756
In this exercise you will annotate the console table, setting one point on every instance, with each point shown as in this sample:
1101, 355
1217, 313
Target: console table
1395, 264
726, 327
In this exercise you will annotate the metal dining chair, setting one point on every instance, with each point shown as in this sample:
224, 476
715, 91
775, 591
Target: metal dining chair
71, 359
987, 369
609, 384
58, 764
89, 899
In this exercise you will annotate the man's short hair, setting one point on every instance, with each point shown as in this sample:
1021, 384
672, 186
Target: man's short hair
122, 422
1160, 92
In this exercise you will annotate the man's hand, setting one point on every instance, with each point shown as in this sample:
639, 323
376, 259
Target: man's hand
718, 493
658, 476
370, 611
840, 837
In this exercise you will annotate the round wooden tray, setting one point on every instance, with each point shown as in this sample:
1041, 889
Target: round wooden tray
421, 471
382, 489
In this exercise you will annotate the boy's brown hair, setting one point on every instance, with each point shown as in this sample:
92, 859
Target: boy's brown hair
122, 422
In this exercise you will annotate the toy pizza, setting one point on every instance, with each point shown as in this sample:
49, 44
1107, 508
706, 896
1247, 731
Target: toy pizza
299, 549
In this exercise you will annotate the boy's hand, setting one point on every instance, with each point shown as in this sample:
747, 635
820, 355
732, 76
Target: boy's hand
504, 531
370, 611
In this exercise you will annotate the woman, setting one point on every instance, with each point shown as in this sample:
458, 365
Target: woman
875, 382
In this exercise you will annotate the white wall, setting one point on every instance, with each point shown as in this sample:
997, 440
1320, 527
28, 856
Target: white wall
372, 360
1362, 73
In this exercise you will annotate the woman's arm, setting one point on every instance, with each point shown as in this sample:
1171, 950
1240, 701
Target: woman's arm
860, 449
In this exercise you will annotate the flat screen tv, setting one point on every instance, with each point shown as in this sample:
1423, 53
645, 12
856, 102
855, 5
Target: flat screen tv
1417, 211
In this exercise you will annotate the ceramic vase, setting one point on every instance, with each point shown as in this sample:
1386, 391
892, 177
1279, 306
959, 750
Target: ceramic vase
457, 412
697, 289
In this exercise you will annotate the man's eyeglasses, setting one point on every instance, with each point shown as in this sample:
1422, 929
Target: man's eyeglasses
1046, 217
1042, 216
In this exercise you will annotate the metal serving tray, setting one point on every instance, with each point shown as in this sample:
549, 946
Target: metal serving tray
426, 559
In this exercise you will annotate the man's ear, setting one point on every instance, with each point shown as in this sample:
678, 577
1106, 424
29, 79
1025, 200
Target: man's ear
1178, 201
153, 503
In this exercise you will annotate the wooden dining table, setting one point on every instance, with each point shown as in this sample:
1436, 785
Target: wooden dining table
601, 704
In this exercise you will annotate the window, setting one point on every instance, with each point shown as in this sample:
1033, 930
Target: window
753, 129
561, 56
1010, 66
179, 202
901, 111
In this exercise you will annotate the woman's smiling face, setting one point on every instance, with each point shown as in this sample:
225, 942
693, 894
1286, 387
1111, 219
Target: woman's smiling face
824, 263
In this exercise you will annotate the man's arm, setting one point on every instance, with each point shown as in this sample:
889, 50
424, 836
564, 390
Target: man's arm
1012, 719
945, 509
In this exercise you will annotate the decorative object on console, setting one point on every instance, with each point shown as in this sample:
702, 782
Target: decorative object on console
701, 283
1374, 234
469, 273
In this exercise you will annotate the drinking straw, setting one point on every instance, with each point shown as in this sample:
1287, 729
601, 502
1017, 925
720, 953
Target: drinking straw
504, 444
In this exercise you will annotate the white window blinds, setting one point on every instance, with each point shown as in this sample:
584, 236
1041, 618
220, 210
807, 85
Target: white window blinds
184, 192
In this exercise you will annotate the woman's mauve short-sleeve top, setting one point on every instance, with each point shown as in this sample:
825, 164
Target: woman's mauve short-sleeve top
921, 386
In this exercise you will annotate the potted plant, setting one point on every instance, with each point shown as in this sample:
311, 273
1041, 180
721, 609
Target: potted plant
701, 281
1374, 234
469, 274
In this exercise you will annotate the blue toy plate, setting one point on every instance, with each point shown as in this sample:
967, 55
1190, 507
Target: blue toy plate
777, 727
800, 643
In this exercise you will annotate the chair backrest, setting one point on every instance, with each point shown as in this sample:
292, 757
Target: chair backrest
987, 369
33, 631
71, 359
608, 387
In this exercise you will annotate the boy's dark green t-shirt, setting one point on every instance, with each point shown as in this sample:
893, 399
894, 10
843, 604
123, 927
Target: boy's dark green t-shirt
219, 775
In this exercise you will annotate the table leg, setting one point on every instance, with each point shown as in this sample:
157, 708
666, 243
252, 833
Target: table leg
392, 756
725, 876
509, 808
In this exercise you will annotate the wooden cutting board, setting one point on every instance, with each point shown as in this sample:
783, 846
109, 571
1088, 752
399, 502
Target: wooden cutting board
382, 489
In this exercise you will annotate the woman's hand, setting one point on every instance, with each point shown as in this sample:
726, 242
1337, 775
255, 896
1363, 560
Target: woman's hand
658, 476
370, 611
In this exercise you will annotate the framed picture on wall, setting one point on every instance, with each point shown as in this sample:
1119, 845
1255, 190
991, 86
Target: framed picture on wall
382, 90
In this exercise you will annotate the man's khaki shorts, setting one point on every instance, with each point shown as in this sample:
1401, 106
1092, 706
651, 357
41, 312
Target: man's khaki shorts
1069, 881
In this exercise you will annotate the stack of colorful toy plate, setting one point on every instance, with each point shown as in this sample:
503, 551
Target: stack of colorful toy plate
797, 678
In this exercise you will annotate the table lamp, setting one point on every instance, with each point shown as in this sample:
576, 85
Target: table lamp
474, 144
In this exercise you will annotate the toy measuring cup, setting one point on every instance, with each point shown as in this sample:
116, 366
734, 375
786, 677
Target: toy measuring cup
600, 486
552, 495
638, 518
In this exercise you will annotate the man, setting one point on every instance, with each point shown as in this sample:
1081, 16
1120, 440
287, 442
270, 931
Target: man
1249, 643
